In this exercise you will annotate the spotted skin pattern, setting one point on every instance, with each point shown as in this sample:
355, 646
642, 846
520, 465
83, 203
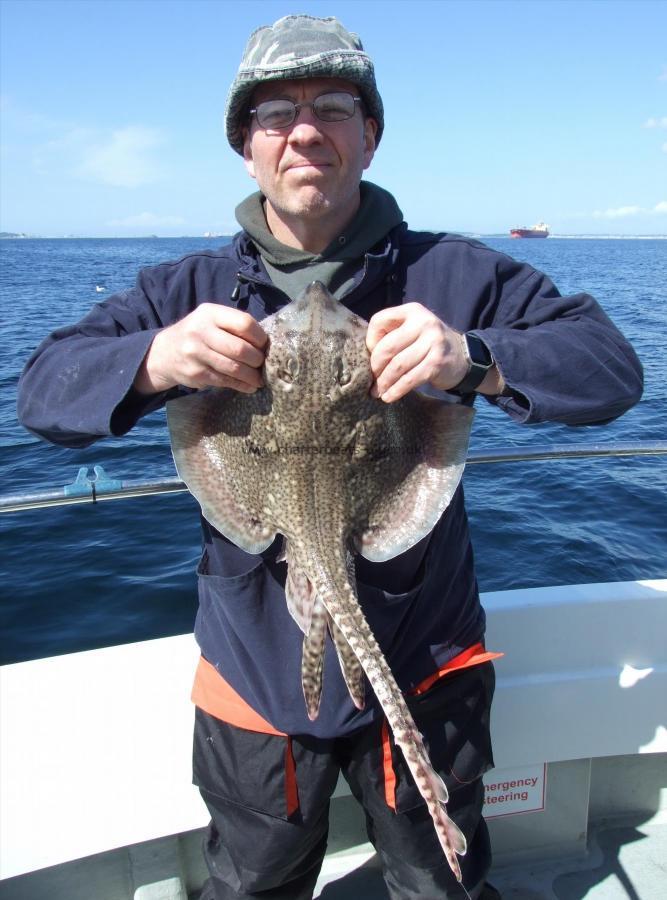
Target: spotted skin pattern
314, 457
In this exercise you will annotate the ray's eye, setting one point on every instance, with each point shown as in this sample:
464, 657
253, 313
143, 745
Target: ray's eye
289, 370
342, 373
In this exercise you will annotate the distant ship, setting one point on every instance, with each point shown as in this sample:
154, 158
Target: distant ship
536, 231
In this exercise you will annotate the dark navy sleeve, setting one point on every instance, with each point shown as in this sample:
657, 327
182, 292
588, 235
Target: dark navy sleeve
77, 385
562, 358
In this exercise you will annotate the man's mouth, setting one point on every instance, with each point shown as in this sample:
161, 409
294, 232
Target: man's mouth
309, 164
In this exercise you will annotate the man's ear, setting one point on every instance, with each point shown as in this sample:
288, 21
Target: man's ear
370, 130
247, 153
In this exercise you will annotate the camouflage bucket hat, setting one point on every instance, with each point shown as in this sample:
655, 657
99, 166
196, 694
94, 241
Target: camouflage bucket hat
300, 47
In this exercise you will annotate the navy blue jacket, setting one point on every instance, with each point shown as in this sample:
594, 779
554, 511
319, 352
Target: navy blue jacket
561, 357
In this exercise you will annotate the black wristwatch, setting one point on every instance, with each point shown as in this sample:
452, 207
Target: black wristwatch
479, 362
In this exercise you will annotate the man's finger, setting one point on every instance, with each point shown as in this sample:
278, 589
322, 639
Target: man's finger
384, 322
229, 382
240, 323
392, 345
400, 367
412, 379
225, 343
230, 368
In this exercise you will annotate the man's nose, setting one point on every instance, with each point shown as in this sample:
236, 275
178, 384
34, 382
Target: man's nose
306, 128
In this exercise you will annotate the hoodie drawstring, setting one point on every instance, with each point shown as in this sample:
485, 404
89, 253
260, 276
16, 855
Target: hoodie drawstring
236, 293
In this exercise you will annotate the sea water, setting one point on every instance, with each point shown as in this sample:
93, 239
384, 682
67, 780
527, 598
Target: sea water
90, 576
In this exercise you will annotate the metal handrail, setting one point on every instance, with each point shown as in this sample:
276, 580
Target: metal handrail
100, 487
568, 451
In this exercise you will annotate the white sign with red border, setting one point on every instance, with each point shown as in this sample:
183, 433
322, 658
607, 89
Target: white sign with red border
511, 791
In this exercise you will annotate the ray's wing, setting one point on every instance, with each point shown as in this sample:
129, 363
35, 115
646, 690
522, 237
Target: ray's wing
409, 460
220, 440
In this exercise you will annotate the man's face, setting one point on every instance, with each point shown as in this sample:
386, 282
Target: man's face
311, 168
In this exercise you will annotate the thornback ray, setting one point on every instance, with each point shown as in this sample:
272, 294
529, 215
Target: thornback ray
312, 456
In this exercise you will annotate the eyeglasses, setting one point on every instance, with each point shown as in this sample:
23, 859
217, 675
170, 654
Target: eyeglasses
335, 106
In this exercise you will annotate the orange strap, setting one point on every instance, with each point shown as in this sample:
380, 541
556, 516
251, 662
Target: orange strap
473, 656
388, 768
291, 788
215, 696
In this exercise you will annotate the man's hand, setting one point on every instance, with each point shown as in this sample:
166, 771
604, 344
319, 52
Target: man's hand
411, 346
213, 346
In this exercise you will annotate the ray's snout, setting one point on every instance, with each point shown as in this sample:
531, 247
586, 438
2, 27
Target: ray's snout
316, 293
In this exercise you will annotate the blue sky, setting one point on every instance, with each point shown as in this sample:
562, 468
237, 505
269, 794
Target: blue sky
497, 113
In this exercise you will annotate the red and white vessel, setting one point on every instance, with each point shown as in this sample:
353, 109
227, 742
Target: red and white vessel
536, 231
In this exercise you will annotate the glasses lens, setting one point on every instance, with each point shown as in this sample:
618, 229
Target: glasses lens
334, 107
275, 113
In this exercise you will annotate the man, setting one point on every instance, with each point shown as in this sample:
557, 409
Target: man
446, 314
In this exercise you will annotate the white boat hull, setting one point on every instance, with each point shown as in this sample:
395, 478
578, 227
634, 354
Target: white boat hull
96, 746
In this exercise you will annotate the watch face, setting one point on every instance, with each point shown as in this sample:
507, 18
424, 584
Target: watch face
479, 352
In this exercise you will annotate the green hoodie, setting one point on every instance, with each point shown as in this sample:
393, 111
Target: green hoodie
292, 270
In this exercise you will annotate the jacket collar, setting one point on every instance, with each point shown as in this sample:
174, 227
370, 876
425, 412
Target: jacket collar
377, 265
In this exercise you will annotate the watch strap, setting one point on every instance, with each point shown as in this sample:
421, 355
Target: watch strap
480, 361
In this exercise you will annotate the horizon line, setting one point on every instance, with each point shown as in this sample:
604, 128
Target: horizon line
22, 235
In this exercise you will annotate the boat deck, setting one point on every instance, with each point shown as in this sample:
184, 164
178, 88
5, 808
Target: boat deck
624, 860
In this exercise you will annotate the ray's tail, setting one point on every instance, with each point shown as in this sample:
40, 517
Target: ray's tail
343, 607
